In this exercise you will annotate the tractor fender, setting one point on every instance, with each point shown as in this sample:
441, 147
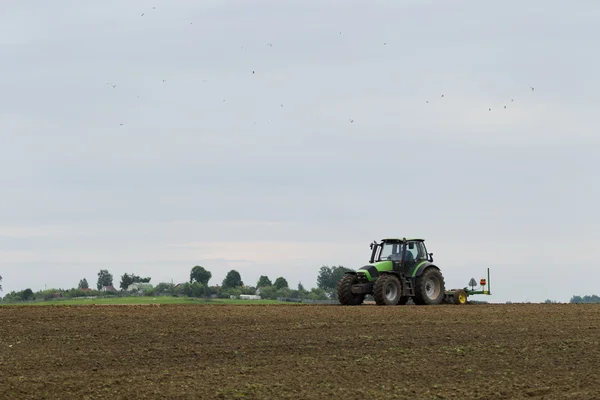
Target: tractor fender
350, 273
396, 274
422, 266
371, 270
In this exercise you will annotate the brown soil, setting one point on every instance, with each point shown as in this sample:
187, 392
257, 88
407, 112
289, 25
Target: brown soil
300, 352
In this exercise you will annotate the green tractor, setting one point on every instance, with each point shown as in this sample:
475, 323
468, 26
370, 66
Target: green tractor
399, 270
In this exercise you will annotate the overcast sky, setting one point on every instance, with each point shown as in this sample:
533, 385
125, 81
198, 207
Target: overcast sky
265, 173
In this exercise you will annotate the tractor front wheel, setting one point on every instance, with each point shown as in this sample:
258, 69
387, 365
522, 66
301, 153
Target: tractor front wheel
387, 290
430, 287
345, 295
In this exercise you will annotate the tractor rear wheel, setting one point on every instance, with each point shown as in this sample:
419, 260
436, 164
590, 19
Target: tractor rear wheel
387, 290
429, 287
345, 295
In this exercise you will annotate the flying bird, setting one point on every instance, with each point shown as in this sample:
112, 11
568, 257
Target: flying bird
532, 89
142, 14
351, 121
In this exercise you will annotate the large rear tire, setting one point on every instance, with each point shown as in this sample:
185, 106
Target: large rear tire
345, 295
387, 290
429, 287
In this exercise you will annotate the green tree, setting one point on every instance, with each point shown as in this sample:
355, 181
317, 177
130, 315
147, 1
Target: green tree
165, 288
0, 283
197, 289
27, 294
83, 284
187, 289
248, 290
587, 299
317, 294
236, 292
105, 278
128, 279
301, 292
280, 283
268, 292
263, 281
232, 279
200, 275
330, 276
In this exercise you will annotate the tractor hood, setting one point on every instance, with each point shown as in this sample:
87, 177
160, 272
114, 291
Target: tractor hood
372, 271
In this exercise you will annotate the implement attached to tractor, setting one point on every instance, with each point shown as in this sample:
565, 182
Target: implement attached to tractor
459, 296
400, 270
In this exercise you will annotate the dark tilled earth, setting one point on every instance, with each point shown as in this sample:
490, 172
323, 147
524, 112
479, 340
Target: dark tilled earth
549, 351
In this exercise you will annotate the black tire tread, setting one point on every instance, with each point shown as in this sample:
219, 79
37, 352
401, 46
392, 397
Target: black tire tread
345, 295
379, 289
420, 296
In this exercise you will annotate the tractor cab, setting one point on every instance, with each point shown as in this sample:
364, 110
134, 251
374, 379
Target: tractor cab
404, 253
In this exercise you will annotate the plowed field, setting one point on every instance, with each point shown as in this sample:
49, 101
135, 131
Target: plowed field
300, 352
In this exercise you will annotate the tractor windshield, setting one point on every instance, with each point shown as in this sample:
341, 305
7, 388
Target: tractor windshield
390, 251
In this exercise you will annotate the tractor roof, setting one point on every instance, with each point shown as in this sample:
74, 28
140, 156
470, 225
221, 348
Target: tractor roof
402, 240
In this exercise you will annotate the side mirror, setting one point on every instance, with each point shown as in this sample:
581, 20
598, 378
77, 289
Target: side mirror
430, 256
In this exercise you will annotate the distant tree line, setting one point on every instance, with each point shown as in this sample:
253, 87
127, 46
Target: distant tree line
593, 299
197, 286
